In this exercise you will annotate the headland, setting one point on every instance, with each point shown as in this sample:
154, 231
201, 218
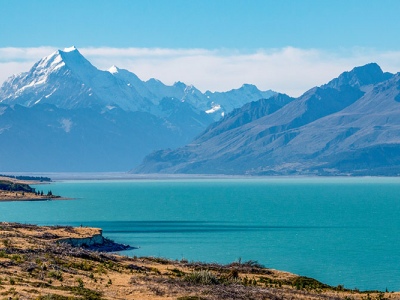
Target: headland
12, 189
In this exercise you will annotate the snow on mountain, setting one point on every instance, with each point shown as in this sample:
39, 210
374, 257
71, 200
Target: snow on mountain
214, 108
348, 126
76, 117
236, 98
68, 80
131, 80
70, 49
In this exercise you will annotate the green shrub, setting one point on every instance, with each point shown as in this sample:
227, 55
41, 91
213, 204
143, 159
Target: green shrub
80, 283
56, 275
6, 243
17, 258
53, 297
177, 272
302, 282
201, 277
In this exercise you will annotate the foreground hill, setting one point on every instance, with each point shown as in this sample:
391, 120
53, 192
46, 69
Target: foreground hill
41, 262
349, 126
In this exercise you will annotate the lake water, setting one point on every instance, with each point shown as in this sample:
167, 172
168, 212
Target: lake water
337, 230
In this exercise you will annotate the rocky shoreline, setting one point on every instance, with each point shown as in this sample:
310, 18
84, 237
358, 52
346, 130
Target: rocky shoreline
109, 246
95, 242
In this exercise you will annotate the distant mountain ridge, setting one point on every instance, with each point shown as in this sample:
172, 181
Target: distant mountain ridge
64, 114
349, 126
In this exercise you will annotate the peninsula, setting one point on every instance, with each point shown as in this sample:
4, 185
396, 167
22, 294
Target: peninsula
12, 189
61, 262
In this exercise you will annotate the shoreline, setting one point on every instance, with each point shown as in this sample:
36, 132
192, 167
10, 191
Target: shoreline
82, 176
34, 199
12, 189
65, 261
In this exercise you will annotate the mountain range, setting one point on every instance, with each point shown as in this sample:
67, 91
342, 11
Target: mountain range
349, 126
64, 114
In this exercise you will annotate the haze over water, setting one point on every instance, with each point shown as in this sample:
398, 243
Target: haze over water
336, 230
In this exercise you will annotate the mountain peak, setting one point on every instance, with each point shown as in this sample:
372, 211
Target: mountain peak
250, 87
360, 76
70, 49
180, 84
367, 73
114, 69
75, 61
70, 52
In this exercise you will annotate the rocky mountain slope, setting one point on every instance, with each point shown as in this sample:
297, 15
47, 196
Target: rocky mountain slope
349, 126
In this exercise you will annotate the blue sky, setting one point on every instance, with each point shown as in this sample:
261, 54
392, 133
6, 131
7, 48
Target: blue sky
274, 44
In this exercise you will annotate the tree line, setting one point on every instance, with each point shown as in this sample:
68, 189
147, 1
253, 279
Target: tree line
33, 178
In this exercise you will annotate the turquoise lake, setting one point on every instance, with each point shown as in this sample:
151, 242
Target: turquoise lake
336, 230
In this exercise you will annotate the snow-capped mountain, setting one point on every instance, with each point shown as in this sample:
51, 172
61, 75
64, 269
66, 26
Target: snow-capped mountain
64, 114
349, 126
68, 80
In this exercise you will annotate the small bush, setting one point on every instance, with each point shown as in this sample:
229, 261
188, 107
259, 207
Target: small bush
7, 243
17, 258
80, 283
233, 274
302, 282
253, 263
177, 272
56, 275
159, 260
53, 297
84, 266
201, 277
85, 293
190, 298
155, 270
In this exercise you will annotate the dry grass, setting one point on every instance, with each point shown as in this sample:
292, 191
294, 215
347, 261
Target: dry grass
34, 266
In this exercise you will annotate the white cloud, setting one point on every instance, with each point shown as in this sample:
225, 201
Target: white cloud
24, 54
289, 70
